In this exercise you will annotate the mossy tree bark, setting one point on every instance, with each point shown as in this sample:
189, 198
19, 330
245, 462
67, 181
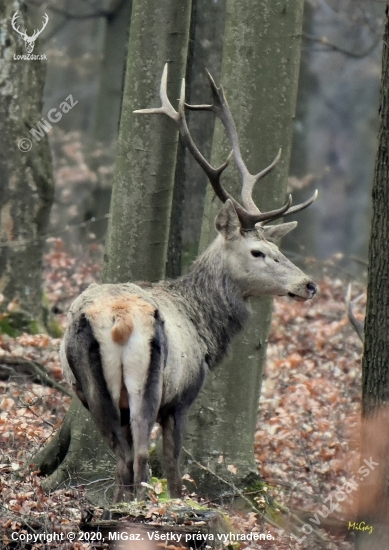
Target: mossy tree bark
145, 166
374, 491
26, 181
260, 77
140, 215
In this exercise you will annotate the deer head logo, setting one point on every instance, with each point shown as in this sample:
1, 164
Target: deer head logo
29, 40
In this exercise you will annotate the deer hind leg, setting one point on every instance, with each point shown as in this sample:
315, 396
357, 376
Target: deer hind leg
142, 373
173, 420
85, 360
124, 476
173, 425
126, 431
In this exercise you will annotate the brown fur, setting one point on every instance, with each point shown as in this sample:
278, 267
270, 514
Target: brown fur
123, 399
122, 329
122, 311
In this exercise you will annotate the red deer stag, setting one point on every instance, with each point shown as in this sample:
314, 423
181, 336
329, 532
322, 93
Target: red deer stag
139, 353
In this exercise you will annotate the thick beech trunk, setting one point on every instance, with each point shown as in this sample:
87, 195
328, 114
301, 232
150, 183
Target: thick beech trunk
146, 161
260, 76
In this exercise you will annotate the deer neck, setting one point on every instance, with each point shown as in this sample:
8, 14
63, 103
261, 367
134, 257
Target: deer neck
213, 300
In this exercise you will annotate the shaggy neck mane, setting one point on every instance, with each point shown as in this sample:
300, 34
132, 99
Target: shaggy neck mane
213, 301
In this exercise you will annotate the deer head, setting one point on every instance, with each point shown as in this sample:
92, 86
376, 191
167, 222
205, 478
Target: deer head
252, 256
29, 40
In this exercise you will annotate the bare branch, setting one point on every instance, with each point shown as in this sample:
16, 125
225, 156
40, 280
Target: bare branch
11, 366
357, 325
355, 55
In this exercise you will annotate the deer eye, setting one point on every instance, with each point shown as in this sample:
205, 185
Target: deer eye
258, 254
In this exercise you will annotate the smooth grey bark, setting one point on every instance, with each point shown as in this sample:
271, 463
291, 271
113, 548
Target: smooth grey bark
140, 214
259, 76
112, 71
205, 51
26, 180
374, 494
144, 174
302, 241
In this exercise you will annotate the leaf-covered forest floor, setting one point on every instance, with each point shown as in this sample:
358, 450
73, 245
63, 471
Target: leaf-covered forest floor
307, 436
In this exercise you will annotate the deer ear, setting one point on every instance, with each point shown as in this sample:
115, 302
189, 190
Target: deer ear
227, 222
274, 233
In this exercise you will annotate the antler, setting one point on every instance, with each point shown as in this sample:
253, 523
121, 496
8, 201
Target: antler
248, 214
221, 109
178, 118
17, 29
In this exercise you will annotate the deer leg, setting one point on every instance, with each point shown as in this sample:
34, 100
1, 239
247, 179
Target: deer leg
141, 430
84, 357
145, 403
124, 475
143, 416
173, 425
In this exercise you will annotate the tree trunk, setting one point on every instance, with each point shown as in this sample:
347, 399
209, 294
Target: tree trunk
77, 455
140, 213
302, 241
374, 501
26, 185
112, 71
205, 51
259, 75
145, 166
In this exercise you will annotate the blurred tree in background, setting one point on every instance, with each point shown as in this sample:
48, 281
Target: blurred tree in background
26, 181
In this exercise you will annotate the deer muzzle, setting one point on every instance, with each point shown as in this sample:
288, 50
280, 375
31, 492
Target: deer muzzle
306, 293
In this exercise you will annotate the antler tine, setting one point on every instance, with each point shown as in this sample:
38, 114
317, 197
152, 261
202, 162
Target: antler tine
221, 108
166, 107
178, 117
247, 189
250, 214
301, 206
249, 220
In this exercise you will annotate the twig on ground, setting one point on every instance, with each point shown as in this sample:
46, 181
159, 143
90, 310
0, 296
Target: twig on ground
249, 502
11, 365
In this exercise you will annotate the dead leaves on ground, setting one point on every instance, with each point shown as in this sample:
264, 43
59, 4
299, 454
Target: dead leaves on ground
306, 442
